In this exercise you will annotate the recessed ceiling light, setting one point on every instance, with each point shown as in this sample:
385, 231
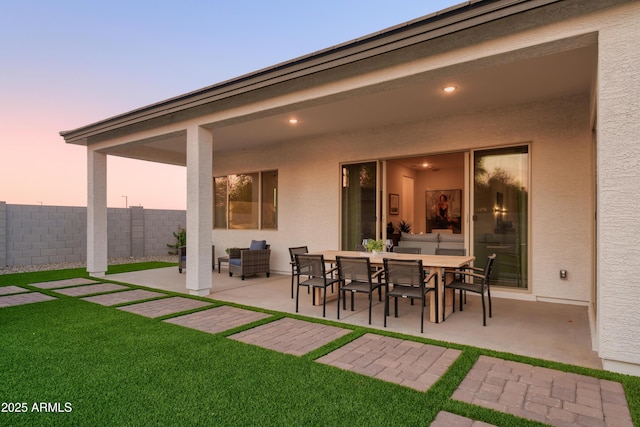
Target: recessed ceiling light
449, 89
293, 121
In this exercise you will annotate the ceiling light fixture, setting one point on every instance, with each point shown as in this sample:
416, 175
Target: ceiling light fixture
293, 121
449, 89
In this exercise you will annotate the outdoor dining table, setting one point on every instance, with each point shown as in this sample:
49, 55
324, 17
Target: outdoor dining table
443, 264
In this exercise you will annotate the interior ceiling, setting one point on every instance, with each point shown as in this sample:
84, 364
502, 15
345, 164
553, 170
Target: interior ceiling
479, 87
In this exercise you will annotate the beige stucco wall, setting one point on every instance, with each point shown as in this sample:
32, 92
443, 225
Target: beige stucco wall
618, 191
562, 202
563, 182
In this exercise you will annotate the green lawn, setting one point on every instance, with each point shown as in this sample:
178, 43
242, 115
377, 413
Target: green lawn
108, 367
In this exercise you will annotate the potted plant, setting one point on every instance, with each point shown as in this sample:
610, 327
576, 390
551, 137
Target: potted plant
404, 226
375, 246
181, 240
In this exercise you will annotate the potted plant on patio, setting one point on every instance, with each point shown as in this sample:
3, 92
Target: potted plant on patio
375, 246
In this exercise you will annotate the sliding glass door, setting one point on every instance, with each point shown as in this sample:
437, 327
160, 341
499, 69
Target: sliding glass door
359, 204
500, 213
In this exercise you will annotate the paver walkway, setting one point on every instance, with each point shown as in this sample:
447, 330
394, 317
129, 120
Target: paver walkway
90, 289
19, 299
404, 362
447, 419
546, 395
218, 319
64, 283
8, 290
291, 336
116, 298
163, 307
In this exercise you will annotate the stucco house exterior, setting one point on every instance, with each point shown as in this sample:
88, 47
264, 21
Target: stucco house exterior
536, 149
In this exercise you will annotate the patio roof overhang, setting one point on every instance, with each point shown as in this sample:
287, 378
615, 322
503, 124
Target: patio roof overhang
390, 77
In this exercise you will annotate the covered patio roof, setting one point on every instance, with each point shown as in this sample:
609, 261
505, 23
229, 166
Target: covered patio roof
390, 77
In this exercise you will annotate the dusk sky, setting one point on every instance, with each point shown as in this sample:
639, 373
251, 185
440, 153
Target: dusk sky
66, 64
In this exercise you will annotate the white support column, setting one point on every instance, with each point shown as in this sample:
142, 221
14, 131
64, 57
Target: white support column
96, 213
199, 209
618, 157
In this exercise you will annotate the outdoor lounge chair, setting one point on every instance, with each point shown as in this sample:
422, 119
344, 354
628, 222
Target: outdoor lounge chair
250, 261
182, 258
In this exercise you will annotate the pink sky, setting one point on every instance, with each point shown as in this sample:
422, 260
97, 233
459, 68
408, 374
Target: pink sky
67, 64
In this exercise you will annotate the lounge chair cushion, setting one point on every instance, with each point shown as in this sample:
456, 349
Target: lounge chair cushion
258, 244
235, 261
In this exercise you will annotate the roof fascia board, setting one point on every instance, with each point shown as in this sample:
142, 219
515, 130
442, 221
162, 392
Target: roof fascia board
432, 26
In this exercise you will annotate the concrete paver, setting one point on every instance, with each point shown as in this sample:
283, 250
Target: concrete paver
404, 362
8, 290
116, 298
163, 307
64, 283
90, 289
218, 319
447, 419
546, 395
291, 336
19, 299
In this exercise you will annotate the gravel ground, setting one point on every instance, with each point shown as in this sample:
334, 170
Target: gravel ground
64, 265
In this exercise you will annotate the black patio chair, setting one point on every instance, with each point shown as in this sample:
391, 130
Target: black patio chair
409, 280
356, 276
455, 252
312, 267
406, 250
471, 281
292, 254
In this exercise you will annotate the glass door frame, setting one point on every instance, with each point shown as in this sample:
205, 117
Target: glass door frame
470, 183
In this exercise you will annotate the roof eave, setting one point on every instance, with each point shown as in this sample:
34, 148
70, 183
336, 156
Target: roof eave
438, 24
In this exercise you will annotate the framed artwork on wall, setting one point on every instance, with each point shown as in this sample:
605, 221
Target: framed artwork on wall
394, 204
444, 210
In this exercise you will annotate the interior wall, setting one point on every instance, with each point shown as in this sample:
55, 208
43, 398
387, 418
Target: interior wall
450, 178
395, 173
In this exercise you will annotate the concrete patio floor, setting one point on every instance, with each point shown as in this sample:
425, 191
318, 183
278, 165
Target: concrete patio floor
556, 332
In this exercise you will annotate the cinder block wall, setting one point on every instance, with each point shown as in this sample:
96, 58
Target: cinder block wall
31, 234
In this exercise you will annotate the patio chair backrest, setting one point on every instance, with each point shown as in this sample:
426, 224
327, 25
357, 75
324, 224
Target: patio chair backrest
310, 265
451, 251
296, 251
488, 268
354, 269
404, 272
407, 250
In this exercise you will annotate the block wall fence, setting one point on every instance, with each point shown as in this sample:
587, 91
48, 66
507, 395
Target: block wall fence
32, 234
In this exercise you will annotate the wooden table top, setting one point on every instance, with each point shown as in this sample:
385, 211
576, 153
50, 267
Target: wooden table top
436, 261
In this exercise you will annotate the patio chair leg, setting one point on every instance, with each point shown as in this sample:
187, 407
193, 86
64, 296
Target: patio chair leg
484, 315
324, 303
339, 290
461, 308
395, 307
422, 317
297, 295
386, 309
489, 296
292, 283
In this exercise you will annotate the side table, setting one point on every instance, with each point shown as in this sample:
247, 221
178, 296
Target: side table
222, 259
